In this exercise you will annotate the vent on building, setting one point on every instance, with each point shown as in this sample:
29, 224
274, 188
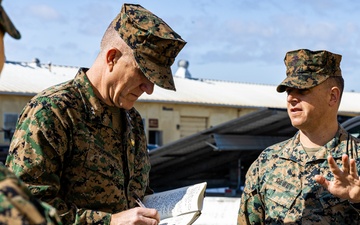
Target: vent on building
183, 71
36, 61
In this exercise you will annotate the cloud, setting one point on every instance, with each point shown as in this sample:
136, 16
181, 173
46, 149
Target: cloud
232, 35
44, 12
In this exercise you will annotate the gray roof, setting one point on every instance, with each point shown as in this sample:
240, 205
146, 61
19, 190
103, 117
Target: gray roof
23, 78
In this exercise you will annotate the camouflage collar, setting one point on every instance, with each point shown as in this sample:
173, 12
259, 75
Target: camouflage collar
342, 143
95, 108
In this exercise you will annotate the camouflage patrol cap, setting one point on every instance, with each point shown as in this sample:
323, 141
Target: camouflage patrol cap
155, 45
306, 69
6, 24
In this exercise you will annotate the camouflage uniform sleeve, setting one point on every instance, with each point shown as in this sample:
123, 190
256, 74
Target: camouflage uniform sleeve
251, 209
18, 206
36, 156
139, 182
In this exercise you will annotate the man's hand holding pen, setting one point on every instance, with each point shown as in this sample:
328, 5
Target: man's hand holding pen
138, 201
136, 216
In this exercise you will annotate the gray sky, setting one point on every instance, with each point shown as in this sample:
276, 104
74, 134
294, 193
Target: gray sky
233, 40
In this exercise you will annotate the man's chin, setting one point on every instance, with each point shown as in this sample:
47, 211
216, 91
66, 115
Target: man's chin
127, 105
296, 124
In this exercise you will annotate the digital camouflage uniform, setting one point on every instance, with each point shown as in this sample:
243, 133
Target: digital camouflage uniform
66, 149
280, 187
18, 206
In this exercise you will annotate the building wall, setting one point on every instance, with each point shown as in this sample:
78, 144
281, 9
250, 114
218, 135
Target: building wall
168, 122
171, 118
10, 104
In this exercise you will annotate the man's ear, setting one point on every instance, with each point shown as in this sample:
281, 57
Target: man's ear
334, 96
111, 57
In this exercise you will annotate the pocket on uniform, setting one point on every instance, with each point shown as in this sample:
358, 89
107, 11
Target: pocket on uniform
281, 196
103, 163
278, 199
100, 181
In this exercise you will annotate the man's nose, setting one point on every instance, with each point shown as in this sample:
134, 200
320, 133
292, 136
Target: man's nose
291, 98
147, 87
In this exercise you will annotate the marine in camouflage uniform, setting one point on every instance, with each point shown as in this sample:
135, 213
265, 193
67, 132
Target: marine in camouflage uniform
17, 204
66, 148
81, 155
280, 185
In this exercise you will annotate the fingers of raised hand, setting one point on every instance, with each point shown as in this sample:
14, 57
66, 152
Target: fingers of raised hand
353, 169
346, 164
322, 180
333, 166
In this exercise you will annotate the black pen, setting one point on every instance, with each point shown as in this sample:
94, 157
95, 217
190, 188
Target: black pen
138, 201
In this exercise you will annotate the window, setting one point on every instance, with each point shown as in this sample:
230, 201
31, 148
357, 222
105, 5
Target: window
10, 120
155, 137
